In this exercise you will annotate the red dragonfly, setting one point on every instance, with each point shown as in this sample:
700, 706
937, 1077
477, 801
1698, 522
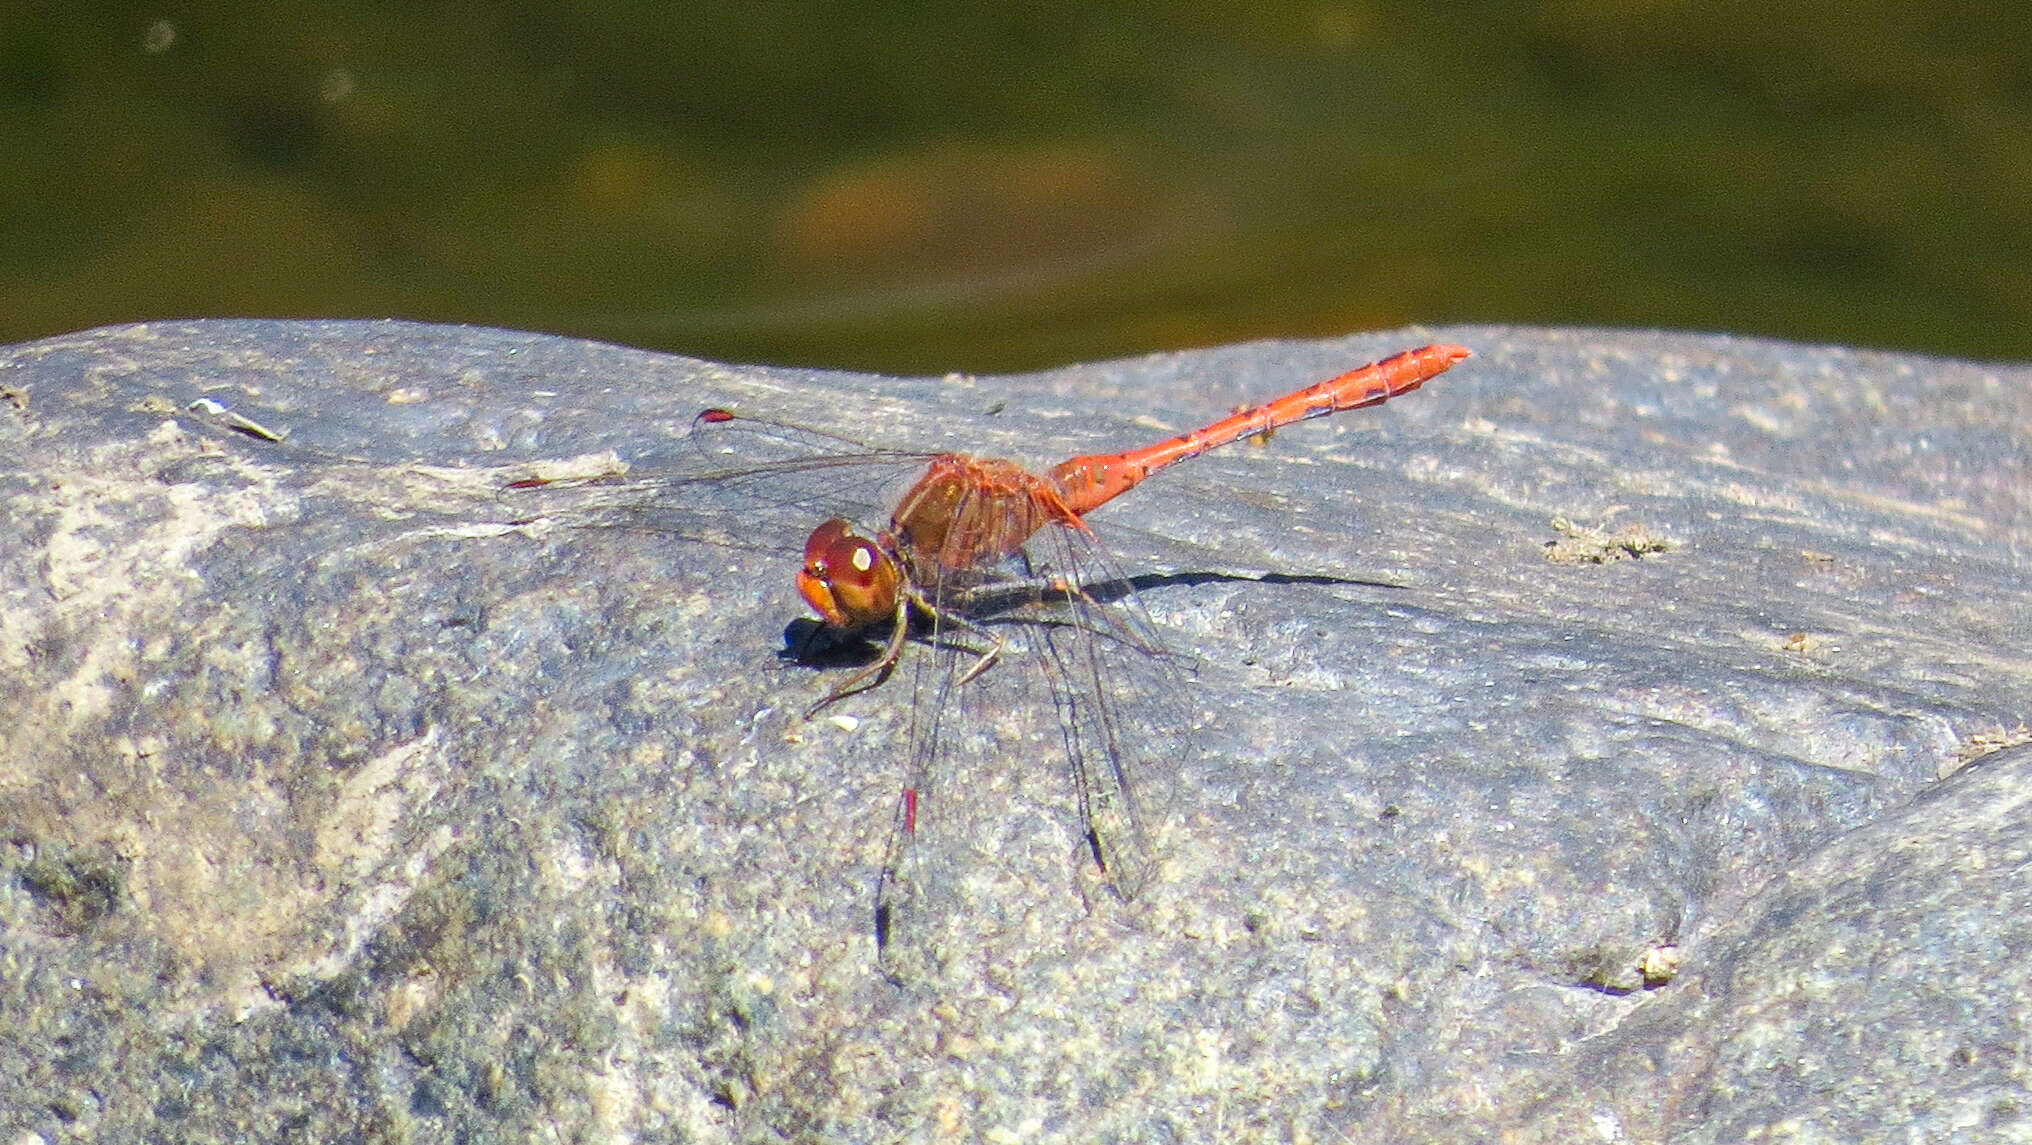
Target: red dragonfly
977, 552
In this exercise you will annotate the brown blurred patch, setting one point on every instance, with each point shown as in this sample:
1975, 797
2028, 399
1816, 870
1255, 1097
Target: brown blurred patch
966, 210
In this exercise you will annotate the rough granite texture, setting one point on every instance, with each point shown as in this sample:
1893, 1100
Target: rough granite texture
1620, 739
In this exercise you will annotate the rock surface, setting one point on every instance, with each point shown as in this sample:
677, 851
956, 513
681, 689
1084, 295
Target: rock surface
1619, 739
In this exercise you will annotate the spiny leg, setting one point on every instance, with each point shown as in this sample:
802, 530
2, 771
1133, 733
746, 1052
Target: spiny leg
860, 681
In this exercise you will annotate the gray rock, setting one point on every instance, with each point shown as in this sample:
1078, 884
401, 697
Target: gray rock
1584, 753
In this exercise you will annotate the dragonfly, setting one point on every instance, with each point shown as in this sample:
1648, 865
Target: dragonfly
985, 561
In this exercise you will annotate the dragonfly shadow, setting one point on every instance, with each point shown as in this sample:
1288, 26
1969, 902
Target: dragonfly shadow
1117, 589
811, 643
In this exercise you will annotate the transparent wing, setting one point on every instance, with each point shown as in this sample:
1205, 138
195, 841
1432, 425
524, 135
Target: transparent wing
732, 480
1071, 735
1123, 701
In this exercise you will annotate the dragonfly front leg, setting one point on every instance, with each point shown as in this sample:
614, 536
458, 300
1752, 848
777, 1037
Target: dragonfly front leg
861, 681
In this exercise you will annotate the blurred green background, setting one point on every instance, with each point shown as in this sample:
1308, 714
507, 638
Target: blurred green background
960, 186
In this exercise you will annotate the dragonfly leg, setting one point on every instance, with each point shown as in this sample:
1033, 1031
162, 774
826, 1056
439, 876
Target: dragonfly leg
981, 659
984, 658
877, 672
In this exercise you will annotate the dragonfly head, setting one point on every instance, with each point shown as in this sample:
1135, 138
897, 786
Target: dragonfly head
847, 578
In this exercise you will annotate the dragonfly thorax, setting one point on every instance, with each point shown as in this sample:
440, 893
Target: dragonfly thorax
969, 513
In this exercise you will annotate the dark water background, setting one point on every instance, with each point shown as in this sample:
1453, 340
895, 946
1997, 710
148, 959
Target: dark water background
948, 186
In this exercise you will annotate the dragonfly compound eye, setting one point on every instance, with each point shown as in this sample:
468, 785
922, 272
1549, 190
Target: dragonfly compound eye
847, 579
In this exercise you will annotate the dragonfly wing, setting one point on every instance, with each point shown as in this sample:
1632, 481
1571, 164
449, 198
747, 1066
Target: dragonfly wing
1123, 705
1046, 767
902, 942
921, 902
741, 482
